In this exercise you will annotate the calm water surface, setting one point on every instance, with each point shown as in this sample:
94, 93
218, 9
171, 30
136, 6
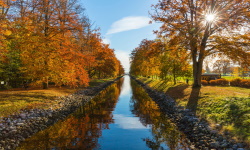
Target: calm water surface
121, 117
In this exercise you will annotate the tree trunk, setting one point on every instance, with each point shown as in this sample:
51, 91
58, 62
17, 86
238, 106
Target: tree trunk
197, 71
174, 74
46, 84
197, 64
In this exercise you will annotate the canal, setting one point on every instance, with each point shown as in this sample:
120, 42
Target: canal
121, 117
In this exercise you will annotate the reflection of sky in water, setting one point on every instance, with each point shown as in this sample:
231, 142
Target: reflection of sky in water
126, 88
127, 132
128, 122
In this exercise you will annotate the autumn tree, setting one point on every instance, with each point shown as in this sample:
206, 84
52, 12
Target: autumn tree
222, 66
9, 58
205, 28
49, 27
158, 58
53, 41
145, 59
175, 62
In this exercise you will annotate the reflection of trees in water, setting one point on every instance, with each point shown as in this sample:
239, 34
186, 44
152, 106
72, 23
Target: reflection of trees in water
82, 129
163, 130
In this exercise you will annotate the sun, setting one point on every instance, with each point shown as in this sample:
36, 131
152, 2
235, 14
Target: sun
210, 17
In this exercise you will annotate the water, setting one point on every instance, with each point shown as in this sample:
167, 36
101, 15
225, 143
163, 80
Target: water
121, 117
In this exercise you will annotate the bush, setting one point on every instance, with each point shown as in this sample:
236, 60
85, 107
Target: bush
204, 82
235, 82
213, 82
222, 82
245, 83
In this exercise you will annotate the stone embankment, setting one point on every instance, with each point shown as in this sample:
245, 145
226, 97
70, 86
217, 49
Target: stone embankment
16, 128
198, 131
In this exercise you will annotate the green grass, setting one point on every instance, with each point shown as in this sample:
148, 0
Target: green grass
228, 106
233, 113
158, 84
232, 77
12, 101
95, 82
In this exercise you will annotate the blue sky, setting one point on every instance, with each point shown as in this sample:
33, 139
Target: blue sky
123, 23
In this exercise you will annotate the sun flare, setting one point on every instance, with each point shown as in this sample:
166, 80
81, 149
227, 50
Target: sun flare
210, 17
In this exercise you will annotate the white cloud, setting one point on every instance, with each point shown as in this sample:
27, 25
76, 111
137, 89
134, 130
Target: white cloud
129, 23
106, 41
123, 56
128, 122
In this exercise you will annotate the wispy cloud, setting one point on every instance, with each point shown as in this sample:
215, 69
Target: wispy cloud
129, 23
123, 56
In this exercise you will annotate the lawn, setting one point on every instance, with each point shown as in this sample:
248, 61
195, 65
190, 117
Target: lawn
227, 106
13, 100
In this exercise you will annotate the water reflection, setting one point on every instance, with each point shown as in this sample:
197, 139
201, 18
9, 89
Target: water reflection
164, 132
125, 122
82, 129
118, 118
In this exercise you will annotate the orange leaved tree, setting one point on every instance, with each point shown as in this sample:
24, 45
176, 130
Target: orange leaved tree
205, 28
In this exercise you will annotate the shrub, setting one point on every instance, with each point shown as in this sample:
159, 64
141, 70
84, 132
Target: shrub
245, 83
235, 82
213, 82
204, 82
222, 82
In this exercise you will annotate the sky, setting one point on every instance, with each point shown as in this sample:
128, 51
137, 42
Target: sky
123, 24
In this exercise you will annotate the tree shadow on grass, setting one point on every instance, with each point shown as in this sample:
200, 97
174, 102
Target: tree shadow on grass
177, 92
33, 97
193, 99
148, 82
158, 86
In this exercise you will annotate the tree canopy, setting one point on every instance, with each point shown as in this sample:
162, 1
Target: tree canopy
209, 27
158, 58
46, 41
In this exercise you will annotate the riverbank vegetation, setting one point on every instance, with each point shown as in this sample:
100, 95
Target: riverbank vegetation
51, 42
13, 100
228, 107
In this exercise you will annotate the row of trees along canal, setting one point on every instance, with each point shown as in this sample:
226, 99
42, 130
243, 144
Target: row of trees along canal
44, 41
191, 31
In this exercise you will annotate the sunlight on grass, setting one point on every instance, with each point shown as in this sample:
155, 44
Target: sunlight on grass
228, 106
13, 101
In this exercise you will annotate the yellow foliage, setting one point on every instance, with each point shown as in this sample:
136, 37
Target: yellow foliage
7, 32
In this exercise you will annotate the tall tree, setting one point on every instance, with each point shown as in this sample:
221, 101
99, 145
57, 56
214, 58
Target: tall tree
175, 62
205, 28
51, 28
222, 66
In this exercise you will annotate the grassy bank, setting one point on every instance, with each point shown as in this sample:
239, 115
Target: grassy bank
13, 100
227, 106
